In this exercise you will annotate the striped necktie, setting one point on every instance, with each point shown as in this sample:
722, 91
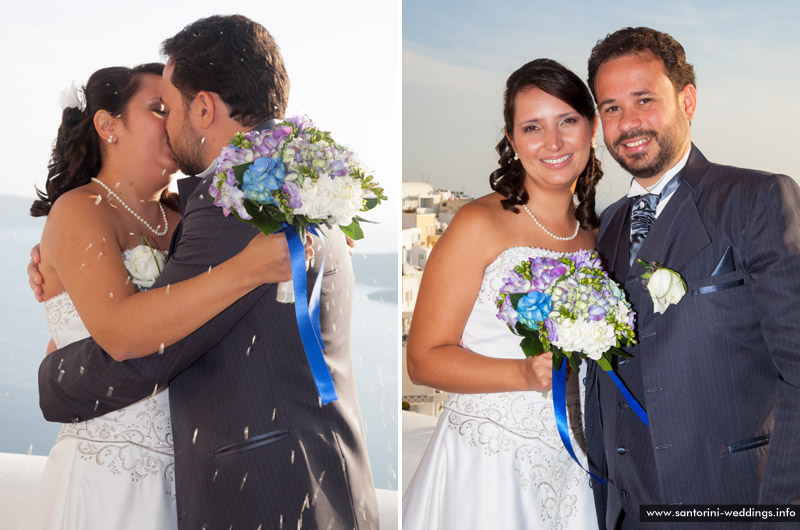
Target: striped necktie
643, 216
643, 213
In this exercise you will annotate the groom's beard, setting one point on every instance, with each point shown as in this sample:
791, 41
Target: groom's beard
669, 141
188, 150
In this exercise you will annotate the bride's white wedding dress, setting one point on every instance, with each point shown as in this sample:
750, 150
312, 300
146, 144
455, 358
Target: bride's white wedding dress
113, 472
496, 460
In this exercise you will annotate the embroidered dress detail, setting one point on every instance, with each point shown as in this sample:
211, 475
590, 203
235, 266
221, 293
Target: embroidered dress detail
500, 454
113, 471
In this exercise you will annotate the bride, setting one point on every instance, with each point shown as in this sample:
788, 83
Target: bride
495, 459
109, 223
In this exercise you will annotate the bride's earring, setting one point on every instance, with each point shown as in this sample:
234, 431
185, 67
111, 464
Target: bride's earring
575, 200
516, 156
110, 139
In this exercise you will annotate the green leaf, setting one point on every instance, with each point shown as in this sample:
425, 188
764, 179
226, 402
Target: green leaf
558, 358
238, 172
153, 252
363, 220
370, 203
266, 224
573, 362
604, 365
531, 345
515, 298
620, 352
353, 231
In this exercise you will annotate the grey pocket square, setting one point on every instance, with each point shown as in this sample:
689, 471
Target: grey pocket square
726, 264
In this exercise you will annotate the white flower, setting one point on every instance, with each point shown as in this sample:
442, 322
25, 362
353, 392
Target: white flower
666, 287
144, 265
335, 199
72, 97
592, 337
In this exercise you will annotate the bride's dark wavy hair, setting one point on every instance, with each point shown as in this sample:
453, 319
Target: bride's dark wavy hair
558, 81
78, 153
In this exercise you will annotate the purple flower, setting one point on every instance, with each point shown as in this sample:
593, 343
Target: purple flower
552, 330
585, 258
301, 122
281, 132
291, 189
596, 312
337, 168
227, 196
507, 313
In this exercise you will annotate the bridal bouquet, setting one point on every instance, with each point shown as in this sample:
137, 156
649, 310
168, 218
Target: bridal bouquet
293, 175
568, 306
294, 178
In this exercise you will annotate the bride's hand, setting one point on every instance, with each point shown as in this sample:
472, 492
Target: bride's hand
267, 256
35, 279
538, 371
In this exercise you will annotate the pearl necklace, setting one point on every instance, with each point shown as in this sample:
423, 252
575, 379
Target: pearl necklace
548, 232
136, 215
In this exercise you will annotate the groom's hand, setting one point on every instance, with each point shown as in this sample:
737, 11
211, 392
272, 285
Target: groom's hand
35, 279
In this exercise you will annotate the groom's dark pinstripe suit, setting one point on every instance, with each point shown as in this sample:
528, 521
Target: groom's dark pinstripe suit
718, 373
245, 369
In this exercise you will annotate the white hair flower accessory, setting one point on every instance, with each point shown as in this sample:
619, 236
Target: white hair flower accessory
73, 97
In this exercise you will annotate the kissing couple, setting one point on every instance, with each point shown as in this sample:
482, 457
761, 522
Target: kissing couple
182, 383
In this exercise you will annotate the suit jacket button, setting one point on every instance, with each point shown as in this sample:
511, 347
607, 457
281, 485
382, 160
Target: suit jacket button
624, 494
621, 450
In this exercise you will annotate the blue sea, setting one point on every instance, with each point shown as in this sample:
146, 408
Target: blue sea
24, 336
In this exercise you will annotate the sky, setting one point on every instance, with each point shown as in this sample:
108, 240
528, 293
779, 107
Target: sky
343, 60
458, 54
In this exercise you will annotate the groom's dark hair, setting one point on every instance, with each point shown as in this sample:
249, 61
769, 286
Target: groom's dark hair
234, 57
641, 40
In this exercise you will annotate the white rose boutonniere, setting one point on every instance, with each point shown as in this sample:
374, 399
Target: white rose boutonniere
666, 287
144, 264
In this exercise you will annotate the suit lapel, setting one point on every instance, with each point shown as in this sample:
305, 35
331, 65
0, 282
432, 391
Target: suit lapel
609, 237
678, 234
186, 187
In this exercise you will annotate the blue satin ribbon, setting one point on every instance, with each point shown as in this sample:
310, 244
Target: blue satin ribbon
307, 314
637, 408
560, 409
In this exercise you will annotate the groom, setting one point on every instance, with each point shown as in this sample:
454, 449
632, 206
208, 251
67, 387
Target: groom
719, 372
253, 446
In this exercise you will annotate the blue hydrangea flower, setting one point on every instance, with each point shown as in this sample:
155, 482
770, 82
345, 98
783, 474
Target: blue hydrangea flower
532, 309
264, 176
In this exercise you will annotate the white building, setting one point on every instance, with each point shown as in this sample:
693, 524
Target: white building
426, 214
